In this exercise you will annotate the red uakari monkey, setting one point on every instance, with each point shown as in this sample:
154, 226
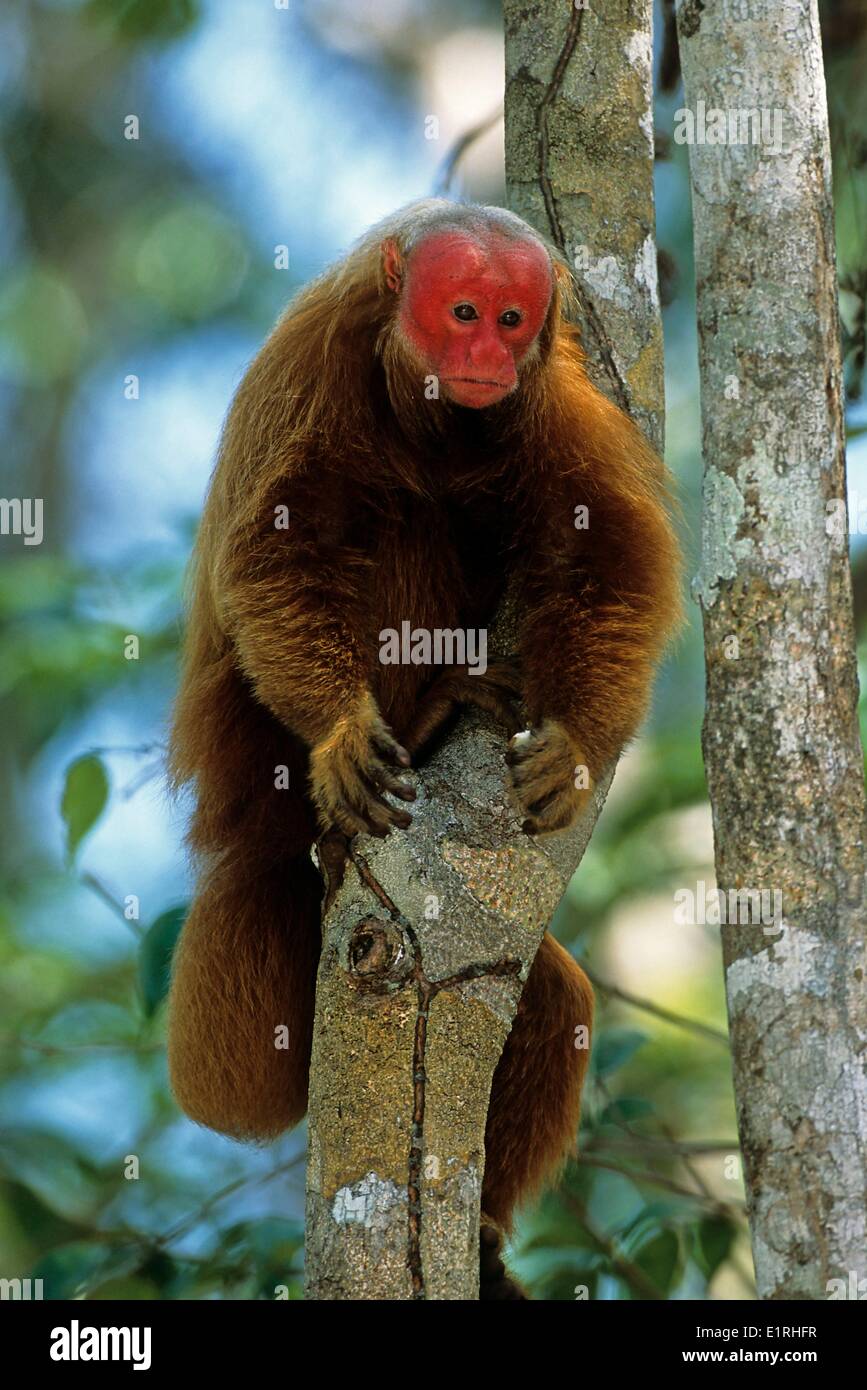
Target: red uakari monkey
421, 423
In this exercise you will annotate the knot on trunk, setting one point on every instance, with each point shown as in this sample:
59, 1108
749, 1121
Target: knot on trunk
380, 956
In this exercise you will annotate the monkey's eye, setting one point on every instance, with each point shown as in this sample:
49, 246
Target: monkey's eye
511, 318
465, 312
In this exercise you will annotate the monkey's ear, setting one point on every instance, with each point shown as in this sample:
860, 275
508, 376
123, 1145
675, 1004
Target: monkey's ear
392, 265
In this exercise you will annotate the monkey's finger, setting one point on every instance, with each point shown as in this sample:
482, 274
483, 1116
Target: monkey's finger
522, 745
545, 789
545, 825
543, 803
378, 818
353, 804
533, 781
346, 820
385, 780
557, 810
377, 811
356, 821
554, 811
385, 743
333, 804
349, 823
538, 761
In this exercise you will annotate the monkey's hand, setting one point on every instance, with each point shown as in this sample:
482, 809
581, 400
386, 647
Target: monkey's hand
350, 769
550, 777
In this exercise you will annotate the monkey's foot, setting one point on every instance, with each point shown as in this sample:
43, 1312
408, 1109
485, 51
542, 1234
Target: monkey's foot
495, 1282
550, 777
497, 690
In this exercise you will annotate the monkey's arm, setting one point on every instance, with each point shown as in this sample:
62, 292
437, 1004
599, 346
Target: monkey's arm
289, 589
602, 599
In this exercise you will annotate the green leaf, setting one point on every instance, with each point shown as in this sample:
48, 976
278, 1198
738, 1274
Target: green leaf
85, 795
614, 1048
652, 1218
90, 1022
715, 1237
614, 1204
270, 1242
155, 957
554, 1274
660, 1259
138, 20
51, 1169
626, 1109
539, 1264
267, 1250
74, 1269
127, 1290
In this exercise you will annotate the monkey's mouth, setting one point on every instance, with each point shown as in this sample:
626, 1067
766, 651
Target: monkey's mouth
477, 381
475, 392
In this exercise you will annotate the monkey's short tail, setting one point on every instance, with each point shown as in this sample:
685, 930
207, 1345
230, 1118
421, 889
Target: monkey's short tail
242, 997
535, 1100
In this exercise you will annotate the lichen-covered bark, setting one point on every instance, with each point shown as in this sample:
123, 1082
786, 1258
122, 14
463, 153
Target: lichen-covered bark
781, 741
428, 941
430, 934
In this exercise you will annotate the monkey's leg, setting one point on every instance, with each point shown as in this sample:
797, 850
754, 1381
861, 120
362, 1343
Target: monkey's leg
536, 1093
242, 995
496, 691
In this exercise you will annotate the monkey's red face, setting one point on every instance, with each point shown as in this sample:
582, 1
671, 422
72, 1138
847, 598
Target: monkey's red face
473, 313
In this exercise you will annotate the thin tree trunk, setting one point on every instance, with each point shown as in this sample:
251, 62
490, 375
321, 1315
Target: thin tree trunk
781, 741
579, 167
429, 935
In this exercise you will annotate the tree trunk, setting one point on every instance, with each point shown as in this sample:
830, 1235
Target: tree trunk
579, 167
781, 742
429, 935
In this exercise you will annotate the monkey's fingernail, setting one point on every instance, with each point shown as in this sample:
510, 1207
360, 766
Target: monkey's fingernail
402, 819
403, 757
406, 793
529, 827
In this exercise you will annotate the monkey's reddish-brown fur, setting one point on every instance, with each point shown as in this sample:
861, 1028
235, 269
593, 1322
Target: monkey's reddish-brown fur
399, 508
